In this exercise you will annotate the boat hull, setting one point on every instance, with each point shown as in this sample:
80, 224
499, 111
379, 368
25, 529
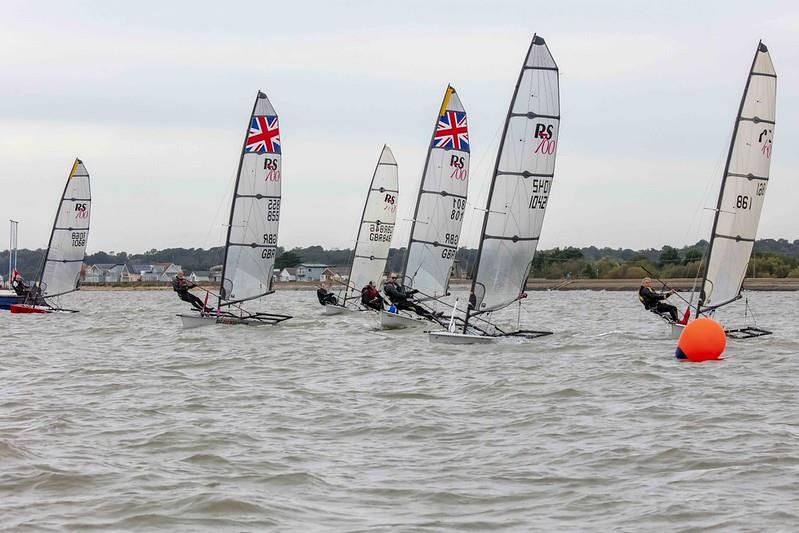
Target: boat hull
332, 310
398, 321
198, 321
28, 309
9, 298
676, 330
445, 337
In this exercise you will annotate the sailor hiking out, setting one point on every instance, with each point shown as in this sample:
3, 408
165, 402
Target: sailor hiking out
182, 286
402, 298
656, 301
370, 298
324, 296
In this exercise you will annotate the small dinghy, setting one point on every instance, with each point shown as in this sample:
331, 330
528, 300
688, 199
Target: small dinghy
251, 242
740, 200
517, 201
8, 296
374, 235
438, 215
60, 272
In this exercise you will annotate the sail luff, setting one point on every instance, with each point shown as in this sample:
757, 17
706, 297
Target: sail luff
476, 266
78, 237
390, 195
521, 183
421, 185
233, 202
440, 203
251, 243
713, 275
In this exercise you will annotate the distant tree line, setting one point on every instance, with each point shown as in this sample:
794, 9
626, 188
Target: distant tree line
771, 259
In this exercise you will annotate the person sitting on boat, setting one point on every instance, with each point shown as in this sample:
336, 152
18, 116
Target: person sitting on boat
472, 301
371, 298
403, 298
18, 284
324, 296
182, 286
655, 301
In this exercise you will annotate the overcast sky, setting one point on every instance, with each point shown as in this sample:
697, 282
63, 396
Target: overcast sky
155, 98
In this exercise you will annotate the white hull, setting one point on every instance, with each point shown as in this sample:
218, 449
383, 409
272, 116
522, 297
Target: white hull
676, 330
332, 310
445, 337
196, 321
398, 321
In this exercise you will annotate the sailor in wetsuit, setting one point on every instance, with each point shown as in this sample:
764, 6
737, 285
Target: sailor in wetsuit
324, 296
401, 298
19, 285
371, 298
182, 286
655, 301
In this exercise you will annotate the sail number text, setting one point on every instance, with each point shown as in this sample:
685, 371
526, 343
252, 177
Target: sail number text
380, 232
458, 206
273, 210
78, 238
540, 195
743, 201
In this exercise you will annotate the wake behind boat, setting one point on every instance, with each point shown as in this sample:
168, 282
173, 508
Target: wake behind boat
251, 242
63, 260
517, 201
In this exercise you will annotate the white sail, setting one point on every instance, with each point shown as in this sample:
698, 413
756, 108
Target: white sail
255, 212
521, 184
67, 247
376, 228
441, 203
743, 186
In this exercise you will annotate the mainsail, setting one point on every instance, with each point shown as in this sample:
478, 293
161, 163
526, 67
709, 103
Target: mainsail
376, 228
441, 203
255, 213
67, 246
743, 187
522, 181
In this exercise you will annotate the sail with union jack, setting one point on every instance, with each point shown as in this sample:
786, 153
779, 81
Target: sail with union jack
264, 136
440, 204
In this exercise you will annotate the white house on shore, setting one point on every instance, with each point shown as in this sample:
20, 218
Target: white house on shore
310, 271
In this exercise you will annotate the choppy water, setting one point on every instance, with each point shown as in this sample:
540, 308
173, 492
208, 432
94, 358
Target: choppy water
116, 419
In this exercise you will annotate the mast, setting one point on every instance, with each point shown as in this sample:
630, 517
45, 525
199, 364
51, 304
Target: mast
440, 203
703, 296
222, 294
389, 191
532, 185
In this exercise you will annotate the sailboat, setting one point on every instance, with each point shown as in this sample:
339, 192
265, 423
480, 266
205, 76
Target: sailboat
9, 296
60, 272
374, 234
438, 214
517, 201
740, 201
251, 242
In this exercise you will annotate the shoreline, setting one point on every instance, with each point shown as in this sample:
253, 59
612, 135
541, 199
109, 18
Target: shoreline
533, 284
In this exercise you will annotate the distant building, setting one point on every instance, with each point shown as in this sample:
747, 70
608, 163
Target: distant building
105, 273
199, 275
310, 271
287, 274
215, 274
335, 274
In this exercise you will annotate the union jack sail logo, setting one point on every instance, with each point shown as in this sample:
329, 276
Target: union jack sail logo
451, 131
264, 136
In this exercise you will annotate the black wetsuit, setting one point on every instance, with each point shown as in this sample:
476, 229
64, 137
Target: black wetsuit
472, 301
371, 298
181, 286
402, 298
655, 302
19, 287
326, 297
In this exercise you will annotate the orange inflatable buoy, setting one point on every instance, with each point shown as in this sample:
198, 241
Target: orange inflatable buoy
701, 340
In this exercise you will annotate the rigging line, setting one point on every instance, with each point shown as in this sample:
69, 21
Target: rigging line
224, 199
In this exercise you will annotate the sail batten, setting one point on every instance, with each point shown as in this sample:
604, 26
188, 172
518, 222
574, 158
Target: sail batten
376, 229
743, 188
519, 193
67, 246
251, 243
440, 204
